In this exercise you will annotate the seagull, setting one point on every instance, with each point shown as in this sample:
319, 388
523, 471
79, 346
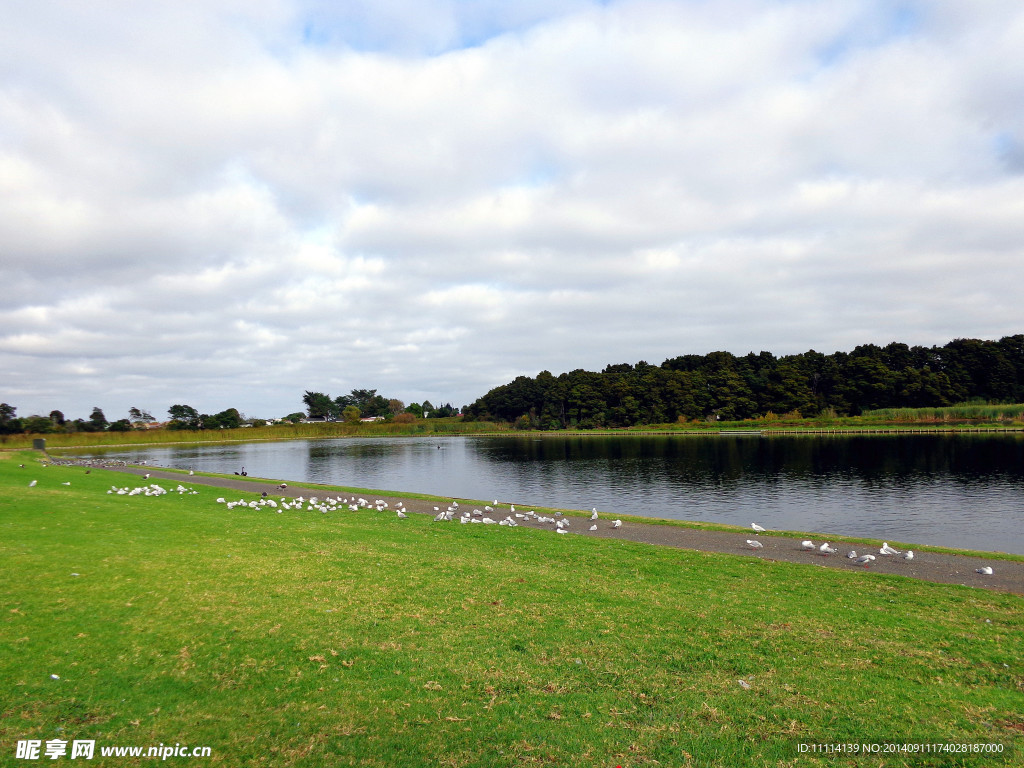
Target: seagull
985, 571
887, 550
807, 544
616, 524
32, 484
282, 486
852, 554
757, 528
865, 560
592, 528
908, 555
593, 515
754, 544
826, 550
402, 515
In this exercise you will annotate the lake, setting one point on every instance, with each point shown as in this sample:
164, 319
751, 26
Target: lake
943, 489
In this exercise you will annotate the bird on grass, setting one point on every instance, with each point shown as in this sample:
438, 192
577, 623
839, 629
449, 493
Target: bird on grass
754, 544
402, 515
33, 484
757, 528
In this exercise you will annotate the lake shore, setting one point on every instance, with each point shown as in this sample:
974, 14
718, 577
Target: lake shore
927, 565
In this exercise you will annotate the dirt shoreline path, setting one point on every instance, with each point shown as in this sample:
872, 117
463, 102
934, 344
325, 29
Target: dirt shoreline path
1007, 576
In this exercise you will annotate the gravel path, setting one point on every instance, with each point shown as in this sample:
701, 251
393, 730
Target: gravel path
1007, 576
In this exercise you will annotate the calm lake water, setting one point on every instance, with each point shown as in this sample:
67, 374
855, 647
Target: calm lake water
952, 490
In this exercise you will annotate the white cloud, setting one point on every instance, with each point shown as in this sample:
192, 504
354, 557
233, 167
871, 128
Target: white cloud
230, 203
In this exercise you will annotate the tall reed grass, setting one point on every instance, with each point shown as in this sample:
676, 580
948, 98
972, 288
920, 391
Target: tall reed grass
421, 427
999, 413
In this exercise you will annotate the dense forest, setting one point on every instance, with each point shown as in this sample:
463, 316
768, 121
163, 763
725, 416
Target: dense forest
722, 386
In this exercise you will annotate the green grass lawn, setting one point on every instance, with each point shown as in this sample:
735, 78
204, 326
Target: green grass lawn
355, 638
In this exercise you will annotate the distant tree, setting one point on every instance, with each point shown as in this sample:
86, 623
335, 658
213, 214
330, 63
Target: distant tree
428, 409
121, 425
139, 416
415, 409
183, 417
295, 418
9, 424
38, 425
57, 418
351, 414
98, 420
319, 405
395, 407
367, 401
229, 419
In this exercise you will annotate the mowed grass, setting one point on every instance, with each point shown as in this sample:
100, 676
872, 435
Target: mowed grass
355, 638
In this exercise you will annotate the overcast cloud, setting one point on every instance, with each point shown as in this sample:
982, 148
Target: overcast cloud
227, 203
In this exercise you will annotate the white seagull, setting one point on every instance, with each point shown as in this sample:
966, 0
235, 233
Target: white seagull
593, 515
754, 544
826, 550
908, 555
852, 554
807, 544
757, 528
865, 560
984, 571
592, 528
887, 550
616, 524
402, 515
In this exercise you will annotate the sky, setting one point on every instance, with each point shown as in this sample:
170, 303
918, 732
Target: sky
227, 203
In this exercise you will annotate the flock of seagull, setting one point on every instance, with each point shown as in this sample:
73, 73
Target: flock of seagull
475, 516
827, 549
453, 511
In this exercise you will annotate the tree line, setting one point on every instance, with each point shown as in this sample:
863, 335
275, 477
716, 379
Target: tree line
366, 403
354, 406
723, 386
180, 417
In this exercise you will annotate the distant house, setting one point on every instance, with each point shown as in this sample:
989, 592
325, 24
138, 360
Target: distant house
372, 418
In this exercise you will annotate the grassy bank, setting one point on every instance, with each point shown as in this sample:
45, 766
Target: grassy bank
421, 428
962, 417
359, 639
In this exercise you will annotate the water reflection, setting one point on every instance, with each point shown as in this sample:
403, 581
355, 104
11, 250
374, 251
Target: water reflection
953, 490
